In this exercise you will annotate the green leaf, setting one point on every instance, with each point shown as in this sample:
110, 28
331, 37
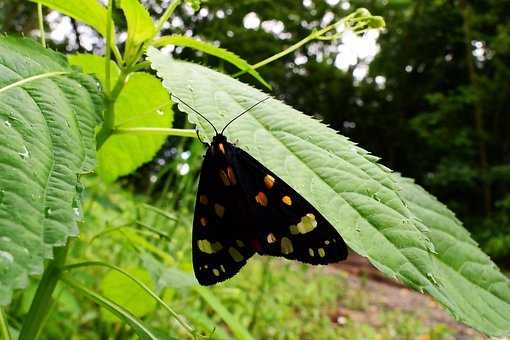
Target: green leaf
140, 27
234, 59
122, 154
361, 198
140, 329
90, 12
472, 287
48, 113
126, 293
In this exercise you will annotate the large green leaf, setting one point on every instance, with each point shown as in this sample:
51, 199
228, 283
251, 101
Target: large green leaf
140, 26
122, 154
361, 198
48, 113
90, 12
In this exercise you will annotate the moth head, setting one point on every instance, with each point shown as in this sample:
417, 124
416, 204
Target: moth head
219, 138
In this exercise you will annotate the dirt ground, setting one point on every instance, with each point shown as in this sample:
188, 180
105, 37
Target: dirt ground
381, 293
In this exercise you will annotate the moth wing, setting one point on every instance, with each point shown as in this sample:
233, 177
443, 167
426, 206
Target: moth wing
220, 243
287, 225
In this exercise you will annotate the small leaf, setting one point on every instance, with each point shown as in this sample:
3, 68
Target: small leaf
94, 64
90, 12
126, 293
140, 27
122, 154
234, 59
48, 114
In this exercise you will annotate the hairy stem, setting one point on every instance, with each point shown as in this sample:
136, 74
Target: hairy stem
167, 14
41, 25
108, 49
359, 21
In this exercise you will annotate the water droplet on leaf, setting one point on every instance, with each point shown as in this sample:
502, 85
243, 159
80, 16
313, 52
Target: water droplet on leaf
24, 154
7, 257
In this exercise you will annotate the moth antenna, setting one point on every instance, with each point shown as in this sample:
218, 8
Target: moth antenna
200, 139
242, 113
198, 113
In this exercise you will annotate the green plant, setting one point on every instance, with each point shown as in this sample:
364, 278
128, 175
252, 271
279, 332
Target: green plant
54, 109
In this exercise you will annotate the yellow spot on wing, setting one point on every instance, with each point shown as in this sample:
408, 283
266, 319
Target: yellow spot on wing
271, 238
207, 247
240, 243
294, 230
261, 199
310, 251
203, 199
269, 181
322, 252
222, 268
216, 272
307, 224
286, 200
203, 221
286, 246
236, 255
219, 210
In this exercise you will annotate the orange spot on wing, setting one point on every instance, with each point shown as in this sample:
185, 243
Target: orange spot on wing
269, 181
221, 148
224, 178
287, 200
231, 176
203, 221
261, 199
203, 199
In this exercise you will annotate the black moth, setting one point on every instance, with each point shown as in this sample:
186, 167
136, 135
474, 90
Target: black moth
243, 208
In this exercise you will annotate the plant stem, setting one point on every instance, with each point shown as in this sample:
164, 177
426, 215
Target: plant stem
41, 25
357, 21
109, 114
168, 12
41, 303
4, 327
164, 131
108, 49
